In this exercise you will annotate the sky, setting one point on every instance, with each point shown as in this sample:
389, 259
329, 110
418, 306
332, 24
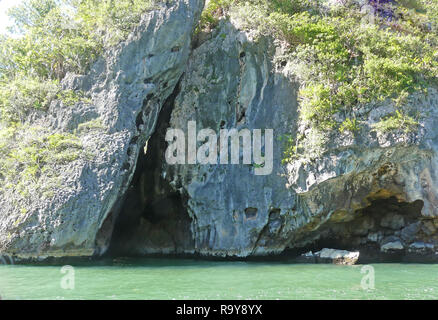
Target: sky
4, 6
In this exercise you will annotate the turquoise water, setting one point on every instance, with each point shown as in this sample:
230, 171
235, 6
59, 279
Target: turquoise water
192, 279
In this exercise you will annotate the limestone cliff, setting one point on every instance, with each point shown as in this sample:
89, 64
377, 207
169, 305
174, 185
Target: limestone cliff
128, 91
367, 190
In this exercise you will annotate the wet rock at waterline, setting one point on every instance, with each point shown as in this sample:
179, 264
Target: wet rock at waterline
336, 256
327, 255
307, 257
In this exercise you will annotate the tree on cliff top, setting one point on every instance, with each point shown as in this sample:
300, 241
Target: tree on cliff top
49, 39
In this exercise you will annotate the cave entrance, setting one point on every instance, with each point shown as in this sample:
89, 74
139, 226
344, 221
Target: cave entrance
153, 218
382, 232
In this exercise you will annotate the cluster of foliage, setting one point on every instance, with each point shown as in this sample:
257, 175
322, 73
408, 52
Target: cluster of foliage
53, 37
347, 57
50, 38
400, 120
26, 155
213, 11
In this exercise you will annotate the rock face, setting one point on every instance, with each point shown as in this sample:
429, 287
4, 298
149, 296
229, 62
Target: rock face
392, 245
420, 251
128, 90
360, 191
307, 257
228, 84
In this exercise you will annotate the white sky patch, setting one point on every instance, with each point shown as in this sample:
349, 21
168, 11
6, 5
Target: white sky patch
4, 20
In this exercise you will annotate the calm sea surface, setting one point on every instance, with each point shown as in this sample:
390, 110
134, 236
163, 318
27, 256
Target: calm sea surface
194, 279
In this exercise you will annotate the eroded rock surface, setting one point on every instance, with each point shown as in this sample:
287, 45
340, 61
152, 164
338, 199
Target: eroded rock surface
128, 90
361, 190
373, 192
228, 84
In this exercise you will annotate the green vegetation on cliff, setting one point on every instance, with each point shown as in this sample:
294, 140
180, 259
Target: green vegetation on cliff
52, 38
345, 55
49, 39
31, 153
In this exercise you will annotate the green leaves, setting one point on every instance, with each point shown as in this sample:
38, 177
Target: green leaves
346, 61
56, 37
109, 22
27, 153
351, 125
31, 13
51, 38
398, 121
22, 94
213, 11
51, 48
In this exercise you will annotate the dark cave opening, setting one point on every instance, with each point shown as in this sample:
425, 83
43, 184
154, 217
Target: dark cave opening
153, 218
375, 231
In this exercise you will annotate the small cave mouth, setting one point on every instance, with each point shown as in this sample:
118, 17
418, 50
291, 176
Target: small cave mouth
381, 232
153, 218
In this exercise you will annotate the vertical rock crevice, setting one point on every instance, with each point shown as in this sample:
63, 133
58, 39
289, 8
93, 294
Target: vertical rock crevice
153, 217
